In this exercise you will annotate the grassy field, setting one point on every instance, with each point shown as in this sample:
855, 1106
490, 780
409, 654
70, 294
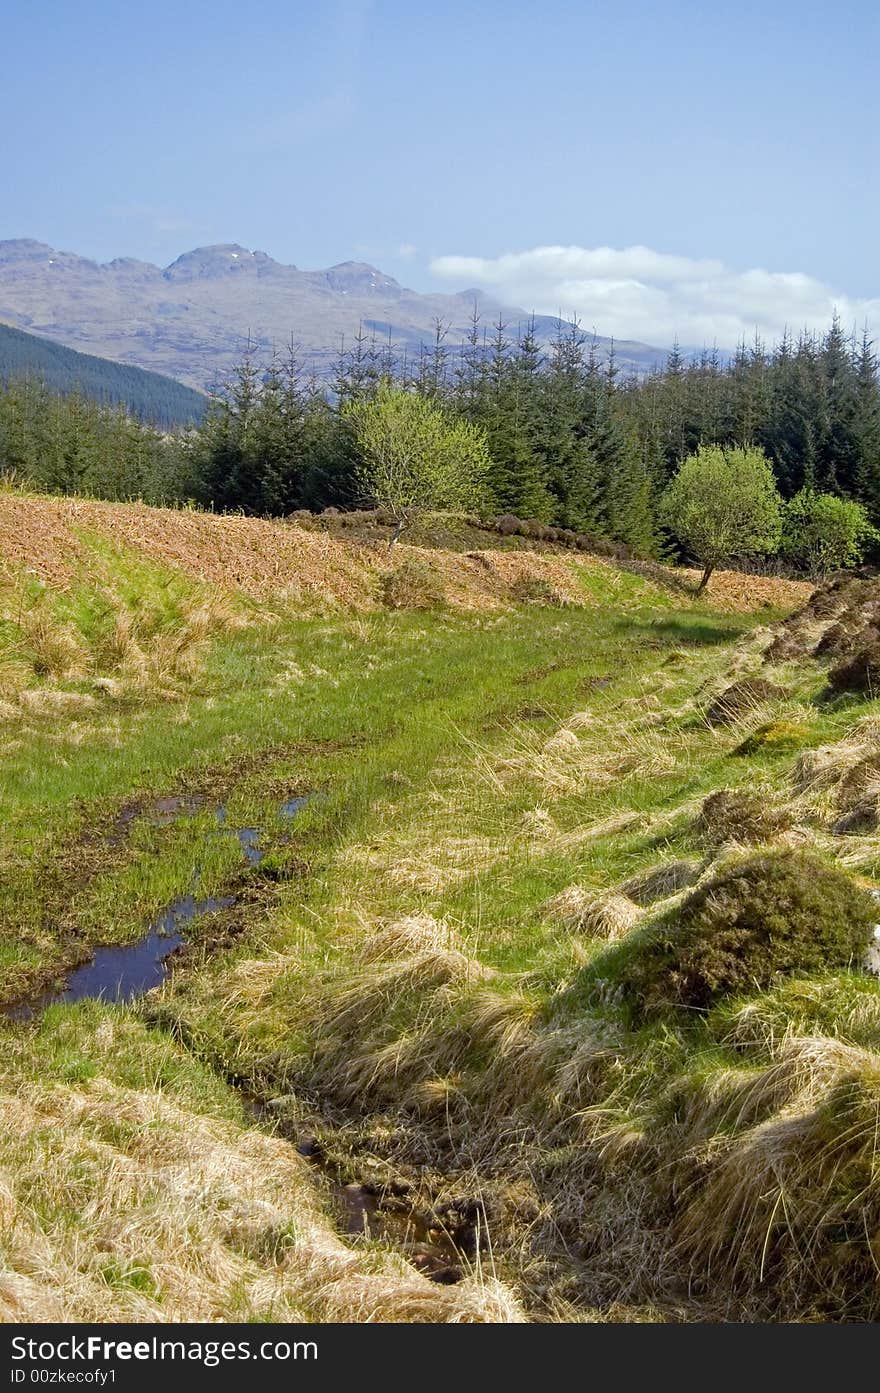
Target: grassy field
450, 976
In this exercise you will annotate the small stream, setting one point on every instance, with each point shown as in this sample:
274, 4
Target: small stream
434, 1246
122, 972
441, 1242
438, 1245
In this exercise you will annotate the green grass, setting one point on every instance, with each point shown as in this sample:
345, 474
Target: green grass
442, 787
394, 690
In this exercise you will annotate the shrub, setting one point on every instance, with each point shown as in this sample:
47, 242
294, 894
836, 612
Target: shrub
414, 456
536, 530
535, 590
773, 914
822, 533
412, 585
723, 502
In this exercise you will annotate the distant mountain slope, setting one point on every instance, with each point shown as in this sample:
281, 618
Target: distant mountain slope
191, 319
147, 395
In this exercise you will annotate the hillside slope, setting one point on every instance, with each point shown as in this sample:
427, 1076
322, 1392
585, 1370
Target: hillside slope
277, 561
190, 319
152, 398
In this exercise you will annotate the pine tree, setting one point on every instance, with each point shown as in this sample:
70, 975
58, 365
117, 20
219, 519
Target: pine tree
572, 471
867, 429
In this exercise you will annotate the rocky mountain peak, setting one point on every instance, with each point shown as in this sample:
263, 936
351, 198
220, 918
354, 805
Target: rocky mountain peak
216, 262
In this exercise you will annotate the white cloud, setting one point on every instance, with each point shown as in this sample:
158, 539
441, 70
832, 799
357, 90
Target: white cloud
406, 251
637, 293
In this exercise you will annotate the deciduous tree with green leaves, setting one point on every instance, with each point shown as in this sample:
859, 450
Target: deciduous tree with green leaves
723, 502
822, 533
415, 457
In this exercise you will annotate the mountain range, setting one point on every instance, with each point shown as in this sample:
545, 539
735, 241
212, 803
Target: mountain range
191, 320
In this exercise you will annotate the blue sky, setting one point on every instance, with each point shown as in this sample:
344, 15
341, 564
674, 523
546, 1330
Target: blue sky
658, 168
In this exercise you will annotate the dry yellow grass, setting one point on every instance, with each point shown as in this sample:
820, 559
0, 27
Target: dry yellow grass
631, 741
795, 1194
594, 914
731, 590
442, 862
416, 933
121, 1205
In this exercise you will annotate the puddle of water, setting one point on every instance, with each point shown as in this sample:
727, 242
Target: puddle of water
162, 811
249, 837
248, 840
123, 972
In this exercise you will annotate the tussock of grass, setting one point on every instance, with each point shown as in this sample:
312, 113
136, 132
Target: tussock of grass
661, 881
583, 911
740, 816
417, 933
793, 1202
743, 701
843, 1005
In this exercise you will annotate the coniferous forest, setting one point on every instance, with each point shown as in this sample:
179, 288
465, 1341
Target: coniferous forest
149, 396
573, 442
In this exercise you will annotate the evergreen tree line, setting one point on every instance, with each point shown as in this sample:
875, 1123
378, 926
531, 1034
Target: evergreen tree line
72, 444
562, 446
811, 404
573, 441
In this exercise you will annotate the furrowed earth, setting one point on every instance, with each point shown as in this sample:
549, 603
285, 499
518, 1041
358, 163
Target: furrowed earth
528, 969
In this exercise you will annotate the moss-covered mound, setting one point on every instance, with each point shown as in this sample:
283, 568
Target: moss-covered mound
775, 737
759, 918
